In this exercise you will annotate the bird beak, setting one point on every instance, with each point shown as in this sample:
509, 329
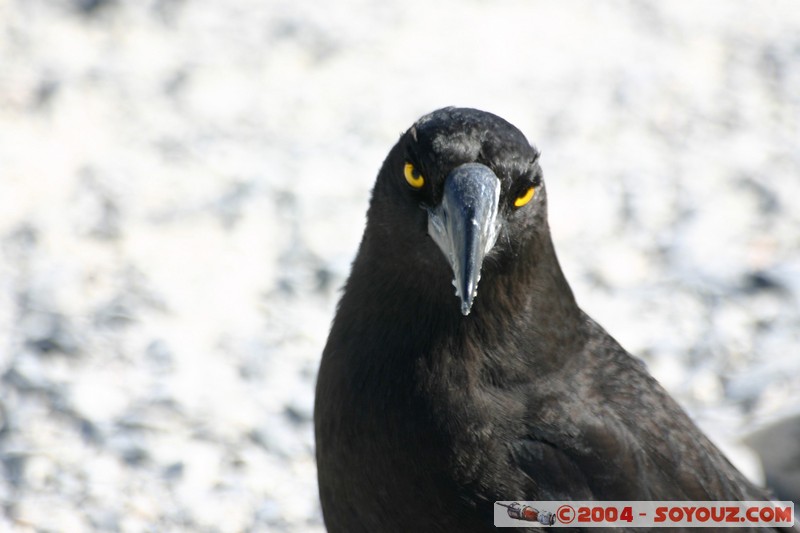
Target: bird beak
465, 227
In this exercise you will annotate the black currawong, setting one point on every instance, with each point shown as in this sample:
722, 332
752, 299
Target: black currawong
434, 401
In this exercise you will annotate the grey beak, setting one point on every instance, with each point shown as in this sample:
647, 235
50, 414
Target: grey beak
464, 225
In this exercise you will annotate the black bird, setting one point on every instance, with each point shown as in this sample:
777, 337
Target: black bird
430, 406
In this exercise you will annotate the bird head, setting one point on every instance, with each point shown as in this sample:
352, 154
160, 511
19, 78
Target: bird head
461, 186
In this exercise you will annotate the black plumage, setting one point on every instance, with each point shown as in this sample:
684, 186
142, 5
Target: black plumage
430, 407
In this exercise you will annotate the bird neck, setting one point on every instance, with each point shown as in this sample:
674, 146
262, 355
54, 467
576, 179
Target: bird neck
524, 301
531, 304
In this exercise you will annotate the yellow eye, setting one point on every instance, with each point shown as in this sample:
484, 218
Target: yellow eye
413, 177
525, 197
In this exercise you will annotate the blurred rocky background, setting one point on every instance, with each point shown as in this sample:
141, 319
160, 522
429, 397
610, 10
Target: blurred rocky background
183, 186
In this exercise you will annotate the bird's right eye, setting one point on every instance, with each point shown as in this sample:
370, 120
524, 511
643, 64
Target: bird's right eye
413, 177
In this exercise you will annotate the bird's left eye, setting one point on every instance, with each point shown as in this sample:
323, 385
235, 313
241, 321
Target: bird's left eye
413, 177
525, 197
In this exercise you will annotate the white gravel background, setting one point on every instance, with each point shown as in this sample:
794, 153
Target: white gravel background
183, 186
